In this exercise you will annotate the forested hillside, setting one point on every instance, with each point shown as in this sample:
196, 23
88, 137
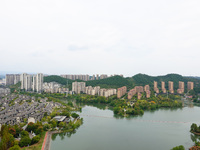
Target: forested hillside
137, 80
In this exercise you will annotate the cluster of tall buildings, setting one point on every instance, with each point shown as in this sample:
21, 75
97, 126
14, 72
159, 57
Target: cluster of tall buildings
12, 79
98, 91
54, 87
32, 82
138, 90
28, 82
121, 91
180, 90
87, 77
79, 87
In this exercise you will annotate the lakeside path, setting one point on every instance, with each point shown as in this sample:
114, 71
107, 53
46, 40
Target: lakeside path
44, 143
47, 140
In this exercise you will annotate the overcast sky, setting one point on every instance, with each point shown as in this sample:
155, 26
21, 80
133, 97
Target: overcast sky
127, 37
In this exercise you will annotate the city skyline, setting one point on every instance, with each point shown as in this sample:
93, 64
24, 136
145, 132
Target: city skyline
101, 37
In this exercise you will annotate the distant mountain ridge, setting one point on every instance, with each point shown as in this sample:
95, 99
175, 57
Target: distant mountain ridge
130, 82
196, 77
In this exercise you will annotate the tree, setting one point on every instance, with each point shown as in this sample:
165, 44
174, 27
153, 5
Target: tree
7, 139
24, 134
12, 131
193, 127
54, 123
35, 139
25, 141
15, 147
74, 115
181, 147
46, 127
31, 127
61, 124
39, 130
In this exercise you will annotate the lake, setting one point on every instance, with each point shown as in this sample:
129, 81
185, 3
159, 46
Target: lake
162, 129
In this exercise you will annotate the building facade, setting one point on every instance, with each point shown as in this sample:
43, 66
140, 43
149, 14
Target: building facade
121, 91
78, 87
190, 86
171, 87
156, 87
181, 88
12, 79
34, 83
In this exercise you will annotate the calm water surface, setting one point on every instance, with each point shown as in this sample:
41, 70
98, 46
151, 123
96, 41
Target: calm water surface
159, 130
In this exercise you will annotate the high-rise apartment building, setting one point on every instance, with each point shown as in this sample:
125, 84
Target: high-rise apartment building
34, 83
23, 80
121, 91
181, 88
146, 88
171, 87
148, 94
131, 93
12, 79
97, 77
29, 82
190, 86
39, 82
163, 87
156, 87
78, 87
139, 89
139, 95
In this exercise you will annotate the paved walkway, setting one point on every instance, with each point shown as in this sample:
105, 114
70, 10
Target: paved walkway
47, 140
44, 143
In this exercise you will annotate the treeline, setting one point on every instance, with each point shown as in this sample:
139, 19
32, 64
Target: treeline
137, 80
111, 82
60, 80
142, 79
123, 107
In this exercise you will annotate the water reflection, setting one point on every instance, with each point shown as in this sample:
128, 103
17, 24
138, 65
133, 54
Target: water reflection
53, 137
194, 138
62, 135
98, 105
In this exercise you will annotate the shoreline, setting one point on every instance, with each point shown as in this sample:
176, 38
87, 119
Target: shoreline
47, 140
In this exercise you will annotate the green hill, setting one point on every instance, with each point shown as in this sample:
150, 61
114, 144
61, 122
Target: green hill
136, 80
60, 80
111, 82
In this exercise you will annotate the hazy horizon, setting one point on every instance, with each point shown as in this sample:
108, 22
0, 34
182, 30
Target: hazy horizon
100, 37
4, 73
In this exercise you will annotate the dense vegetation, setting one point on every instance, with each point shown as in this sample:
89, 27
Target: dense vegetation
195, 129
124, 107
181, 147
118, 81
112, 82
60, 80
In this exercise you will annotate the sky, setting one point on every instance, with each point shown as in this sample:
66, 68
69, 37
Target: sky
100, 36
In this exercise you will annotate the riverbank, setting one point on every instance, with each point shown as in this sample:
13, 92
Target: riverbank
47, 140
